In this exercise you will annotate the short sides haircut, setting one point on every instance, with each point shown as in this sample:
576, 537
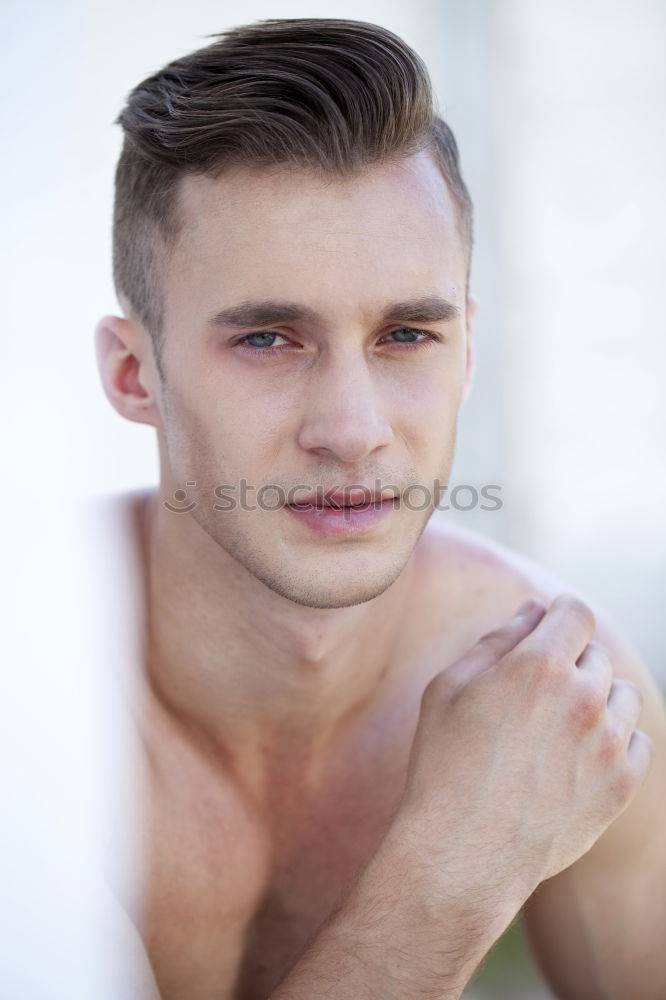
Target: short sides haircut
334, 96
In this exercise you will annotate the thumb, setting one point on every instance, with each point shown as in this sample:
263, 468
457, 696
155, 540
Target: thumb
492, 646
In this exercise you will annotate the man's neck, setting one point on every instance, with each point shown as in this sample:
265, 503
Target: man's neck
266, 684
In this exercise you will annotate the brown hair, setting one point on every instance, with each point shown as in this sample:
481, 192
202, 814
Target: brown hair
332, 95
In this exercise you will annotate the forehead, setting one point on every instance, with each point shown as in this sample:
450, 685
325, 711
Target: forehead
299, 235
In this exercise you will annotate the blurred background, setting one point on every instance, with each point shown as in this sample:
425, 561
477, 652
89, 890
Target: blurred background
559, 111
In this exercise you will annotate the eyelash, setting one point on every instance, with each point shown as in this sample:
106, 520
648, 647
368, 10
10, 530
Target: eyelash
428, 340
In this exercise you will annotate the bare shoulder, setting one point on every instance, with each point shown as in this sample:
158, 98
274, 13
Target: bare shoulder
482, 582
473, 584
483, 565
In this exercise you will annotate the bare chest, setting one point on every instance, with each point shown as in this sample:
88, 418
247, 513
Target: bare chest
232, 898
315, 861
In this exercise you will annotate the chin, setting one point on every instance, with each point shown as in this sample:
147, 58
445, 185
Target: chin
332, 587
331, 597
325, 579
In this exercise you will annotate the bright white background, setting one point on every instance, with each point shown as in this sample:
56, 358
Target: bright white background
559, 110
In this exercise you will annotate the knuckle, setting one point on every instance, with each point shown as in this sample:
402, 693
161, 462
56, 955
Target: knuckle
559, 666
556, 670
544, 672
612, 743
588, 707
580, 609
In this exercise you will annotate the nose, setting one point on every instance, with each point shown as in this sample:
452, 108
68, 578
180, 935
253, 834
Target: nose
343, 414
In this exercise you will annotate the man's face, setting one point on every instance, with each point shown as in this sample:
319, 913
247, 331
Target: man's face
335, 385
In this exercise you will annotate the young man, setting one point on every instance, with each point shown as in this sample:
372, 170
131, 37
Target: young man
361, 763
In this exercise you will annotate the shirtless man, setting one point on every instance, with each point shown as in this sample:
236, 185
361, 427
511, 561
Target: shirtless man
361, 763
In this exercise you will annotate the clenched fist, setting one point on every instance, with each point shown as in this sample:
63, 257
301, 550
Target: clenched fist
525, 751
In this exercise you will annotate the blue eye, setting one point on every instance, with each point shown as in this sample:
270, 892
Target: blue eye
265, 339
411, 334
411, 337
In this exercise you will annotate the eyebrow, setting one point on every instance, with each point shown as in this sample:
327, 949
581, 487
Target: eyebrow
425, 309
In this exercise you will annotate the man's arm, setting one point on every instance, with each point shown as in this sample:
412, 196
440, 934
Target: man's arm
496, 802
397, 937
598, 929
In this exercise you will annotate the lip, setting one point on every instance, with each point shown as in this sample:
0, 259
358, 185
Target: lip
343, 521
347, 496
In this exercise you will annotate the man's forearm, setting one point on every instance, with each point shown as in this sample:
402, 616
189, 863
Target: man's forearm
395, 939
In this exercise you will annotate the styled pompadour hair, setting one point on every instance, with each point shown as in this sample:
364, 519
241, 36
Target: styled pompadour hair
334, 96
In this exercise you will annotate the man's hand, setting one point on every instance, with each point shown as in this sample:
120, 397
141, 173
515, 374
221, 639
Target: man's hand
525, 751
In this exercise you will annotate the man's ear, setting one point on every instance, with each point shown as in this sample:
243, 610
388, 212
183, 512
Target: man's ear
125, 359
472, 306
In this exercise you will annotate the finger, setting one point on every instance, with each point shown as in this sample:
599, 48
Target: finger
640, 753
625, 701
595, 665
622, 711
495, 644
563, 632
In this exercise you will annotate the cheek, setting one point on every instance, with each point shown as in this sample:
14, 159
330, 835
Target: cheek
214, 440
194, 431
430, 402
426, 420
